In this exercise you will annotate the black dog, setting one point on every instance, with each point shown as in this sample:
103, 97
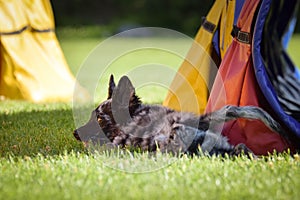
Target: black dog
122, 120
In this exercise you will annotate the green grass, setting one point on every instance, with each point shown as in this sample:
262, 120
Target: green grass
294, 49
29, 129
40, 159
80, 176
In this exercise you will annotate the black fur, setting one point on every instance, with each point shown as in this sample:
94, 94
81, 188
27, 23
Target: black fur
122, 120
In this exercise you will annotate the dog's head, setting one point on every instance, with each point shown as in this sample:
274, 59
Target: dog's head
117, 110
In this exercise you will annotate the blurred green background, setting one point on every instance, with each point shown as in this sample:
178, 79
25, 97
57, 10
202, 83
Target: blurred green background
82, 24
183, 16
179, 15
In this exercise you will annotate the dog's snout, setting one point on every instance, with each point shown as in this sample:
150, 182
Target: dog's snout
76, 135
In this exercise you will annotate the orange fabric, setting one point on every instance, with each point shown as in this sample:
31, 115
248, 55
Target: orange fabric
236, 84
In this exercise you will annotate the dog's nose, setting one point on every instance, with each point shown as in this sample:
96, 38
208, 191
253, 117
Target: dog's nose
76, 135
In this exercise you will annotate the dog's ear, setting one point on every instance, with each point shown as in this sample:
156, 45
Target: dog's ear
124, 100
124, 94
111, 86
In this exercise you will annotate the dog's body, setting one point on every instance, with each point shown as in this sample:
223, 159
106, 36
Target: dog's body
122, 120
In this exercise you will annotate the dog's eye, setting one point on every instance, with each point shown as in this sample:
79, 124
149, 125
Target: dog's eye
99, 119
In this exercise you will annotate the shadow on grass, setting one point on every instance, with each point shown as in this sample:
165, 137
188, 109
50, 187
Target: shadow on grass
29, 133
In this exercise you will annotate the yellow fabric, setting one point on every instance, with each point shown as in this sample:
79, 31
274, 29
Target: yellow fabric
32, 65
226, 24
189, 89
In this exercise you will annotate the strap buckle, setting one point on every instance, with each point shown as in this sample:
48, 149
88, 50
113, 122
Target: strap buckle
241, 36
210, 27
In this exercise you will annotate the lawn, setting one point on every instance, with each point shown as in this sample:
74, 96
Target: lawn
40, 159
294, 49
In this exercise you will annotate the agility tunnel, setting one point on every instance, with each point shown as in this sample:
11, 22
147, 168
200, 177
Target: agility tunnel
254, 70
32, 64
